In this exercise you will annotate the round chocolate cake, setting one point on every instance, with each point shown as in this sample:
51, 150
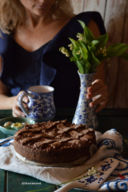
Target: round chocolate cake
55, 143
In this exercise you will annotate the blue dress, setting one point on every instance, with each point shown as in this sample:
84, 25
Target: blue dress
45, 66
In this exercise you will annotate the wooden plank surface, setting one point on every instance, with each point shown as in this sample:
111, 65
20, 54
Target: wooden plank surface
22, 183
122, 83
2, 181
114, 22
77, 5
95, 5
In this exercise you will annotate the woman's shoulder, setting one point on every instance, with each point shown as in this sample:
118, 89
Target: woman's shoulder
4, 41
88, 16
72, 27
3, 36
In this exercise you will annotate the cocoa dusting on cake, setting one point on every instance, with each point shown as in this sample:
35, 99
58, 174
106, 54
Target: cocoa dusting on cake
54, 142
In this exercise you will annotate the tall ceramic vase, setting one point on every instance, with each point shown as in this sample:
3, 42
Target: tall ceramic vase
84, 114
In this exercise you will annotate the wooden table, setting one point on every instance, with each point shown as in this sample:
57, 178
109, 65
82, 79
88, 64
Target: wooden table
108, 118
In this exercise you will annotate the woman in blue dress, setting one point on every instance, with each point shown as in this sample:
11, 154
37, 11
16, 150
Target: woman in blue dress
31, 33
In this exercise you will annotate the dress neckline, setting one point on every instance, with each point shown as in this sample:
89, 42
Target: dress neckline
30, 52
48, 42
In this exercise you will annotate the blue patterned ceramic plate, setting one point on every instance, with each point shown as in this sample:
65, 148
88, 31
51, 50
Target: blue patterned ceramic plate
14, 121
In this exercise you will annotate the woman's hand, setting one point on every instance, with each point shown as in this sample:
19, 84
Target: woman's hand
98, 93
16, 111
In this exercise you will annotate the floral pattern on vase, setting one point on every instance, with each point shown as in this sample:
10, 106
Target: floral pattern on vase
84, 114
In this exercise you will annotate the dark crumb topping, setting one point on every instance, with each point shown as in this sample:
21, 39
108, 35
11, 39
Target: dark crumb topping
55, 134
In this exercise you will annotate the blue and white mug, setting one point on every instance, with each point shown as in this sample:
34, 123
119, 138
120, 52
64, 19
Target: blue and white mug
41, 105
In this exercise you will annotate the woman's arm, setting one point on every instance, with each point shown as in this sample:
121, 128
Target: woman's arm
5, 101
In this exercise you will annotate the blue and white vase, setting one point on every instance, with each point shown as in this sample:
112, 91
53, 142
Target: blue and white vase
84, 114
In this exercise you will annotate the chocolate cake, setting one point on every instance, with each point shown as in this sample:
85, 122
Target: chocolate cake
55, 143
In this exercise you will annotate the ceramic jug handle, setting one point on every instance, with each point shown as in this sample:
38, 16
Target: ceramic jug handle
20, 102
